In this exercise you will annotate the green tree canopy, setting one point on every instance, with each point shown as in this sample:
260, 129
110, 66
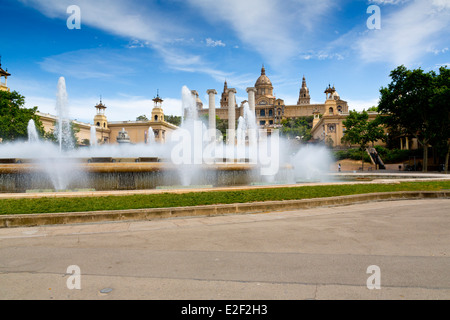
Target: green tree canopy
361, 131
175, 120
14, 118
416, 103
299, 127
142, 118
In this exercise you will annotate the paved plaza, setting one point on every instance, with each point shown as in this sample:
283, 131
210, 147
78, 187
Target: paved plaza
321, 253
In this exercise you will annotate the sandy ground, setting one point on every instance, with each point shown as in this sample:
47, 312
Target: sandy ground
351, 165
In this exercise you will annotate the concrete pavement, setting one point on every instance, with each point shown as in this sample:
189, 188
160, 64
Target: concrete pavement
320, 253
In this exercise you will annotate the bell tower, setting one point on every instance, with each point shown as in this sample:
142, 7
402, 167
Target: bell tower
100, 119
304, 96
157, 112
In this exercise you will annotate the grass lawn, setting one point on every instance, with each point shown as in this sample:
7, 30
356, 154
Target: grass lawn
166, 200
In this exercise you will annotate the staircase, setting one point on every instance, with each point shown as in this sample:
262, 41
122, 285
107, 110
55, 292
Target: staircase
375, 158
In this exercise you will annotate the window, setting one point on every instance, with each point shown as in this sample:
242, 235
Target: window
270, 122
98, 124
156, 118
270, 113
331, 110
262, 113
262, 123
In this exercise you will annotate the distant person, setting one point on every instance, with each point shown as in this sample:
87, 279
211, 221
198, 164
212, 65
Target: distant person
339, 167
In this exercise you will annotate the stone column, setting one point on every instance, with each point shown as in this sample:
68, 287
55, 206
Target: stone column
231, 116
212, 109
251, 98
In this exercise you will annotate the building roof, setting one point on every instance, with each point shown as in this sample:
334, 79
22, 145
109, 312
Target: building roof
3, 72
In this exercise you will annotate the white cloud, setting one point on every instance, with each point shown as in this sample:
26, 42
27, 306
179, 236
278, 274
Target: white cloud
120, 17
214, 43
119, 109
321, 55
360, 105
88, 64
383, 2
406, 34
273, 28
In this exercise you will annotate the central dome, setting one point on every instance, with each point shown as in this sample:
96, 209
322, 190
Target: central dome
263, 80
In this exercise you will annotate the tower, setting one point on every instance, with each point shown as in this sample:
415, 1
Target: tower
304, 96
100, 119
330, 103
3, 74
157, 112
224, 98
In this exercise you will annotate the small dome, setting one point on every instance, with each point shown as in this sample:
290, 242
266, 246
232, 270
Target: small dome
335, 96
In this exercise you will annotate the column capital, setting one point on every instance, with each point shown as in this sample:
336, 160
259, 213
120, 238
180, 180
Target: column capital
251, 90
211, 91
232, 90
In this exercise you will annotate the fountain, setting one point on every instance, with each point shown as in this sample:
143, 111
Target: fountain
93, 140
194, 156
151, 136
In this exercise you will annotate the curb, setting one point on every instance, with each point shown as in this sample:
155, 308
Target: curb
33, 220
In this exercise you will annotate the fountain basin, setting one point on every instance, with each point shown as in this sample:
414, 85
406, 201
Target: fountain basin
125, 174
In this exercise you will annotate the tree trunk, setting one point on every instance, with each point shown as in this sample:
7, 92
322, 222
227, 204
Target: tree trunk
362, 166
425, 158
446, 160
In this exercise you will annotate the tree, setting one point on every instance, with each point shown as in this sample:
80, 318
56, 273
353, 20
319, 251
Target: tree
142, 118
300, 127
14, 118
361, 131
175, 120
441, 100
70, 141
416, 103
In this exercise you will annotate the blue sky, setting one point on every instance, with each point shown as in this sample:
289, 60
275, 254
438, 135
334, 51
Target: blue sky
126, 50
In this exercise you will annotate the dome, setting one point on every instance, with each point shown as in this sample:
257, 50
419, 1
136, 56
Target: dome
263, 80
335, 95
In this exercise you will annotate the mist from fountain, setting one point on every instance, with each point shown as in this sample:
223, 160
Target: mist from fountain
93, 140
151, 136
63, 125
192, 150
33, 135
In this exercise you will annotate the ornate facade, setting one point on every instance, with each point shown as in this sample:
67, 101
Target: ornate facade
270, 111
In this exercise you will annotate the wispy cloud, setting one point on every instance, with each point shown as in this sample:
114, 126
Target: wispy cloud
273, 28
407, 34
214, 43
118, 109
88, 64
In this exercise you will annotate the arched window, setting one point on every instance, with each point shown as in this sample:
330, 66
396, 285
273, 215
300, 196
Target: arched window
331, 110
98, 124
156, 118
262, 113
